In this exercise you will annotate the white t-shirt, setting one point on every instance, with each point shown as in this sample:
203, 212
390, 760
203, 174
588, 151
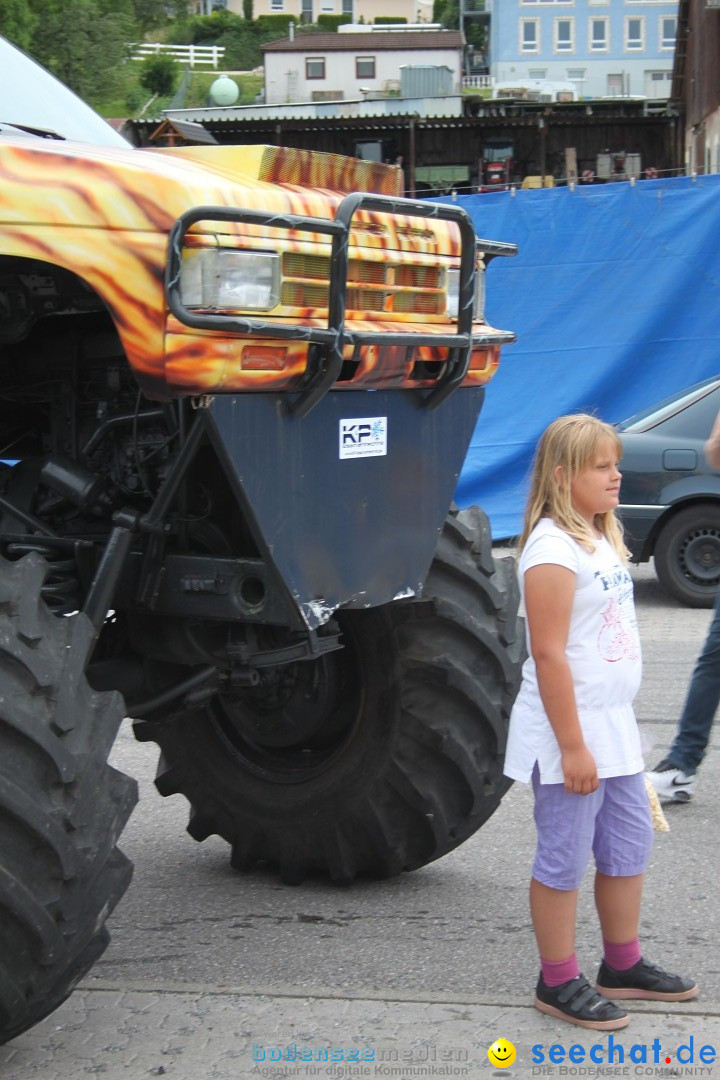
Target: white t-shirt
603, 650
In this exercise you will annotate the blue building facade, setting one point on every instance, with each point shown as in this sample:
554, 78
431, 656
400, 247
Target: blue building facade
605, 48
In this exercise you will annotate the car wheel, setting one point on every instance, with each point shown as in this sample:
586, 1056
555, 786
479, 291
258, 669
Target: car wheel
687, 555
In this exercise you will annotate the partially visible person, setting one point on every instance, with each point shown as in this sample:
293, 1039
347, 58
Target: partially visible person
573, 731
674, 777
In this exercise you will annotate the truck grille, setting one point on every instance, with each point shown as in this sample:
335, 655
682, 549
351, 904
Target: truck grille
373, 287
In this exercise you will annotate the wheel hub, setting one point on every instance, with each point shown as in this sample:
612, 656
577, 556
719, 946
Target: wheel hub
288, 706
700, 556
297, 719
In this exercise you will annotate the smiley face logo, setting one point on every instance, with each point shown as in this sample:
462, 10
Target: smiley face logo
502, 1053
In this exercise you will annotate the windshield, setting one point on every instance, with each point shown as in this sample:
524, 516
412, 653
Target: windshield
32, 98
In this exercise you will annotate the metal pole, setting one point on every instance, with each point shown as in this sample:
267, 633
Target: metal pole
461, 8
411, 160
543, 135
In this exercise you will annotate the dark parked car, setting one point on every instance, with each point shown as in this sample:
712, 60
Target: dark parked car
670, 497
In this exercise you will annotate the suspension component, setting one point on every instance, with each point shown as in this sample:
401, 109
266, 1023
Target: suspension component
61, 589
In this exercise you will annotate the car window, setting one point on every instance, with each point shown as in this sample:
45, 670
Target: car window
696, 421
31, 97
675, 413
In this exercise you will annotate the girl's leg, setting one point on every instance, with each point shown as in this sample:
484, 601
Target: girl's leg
553, 914
622, 846
618, 900
624, 973
566, 826
565, 831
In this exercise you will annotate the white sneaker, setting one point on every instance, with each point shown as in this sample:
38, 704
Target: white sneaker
671, 783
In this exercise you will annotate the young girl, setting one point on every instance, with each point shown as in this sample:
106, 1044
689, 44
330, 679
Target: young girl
573, 730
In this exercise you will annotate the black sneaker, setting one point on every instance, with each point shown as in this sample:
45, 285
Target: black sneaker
576, 1001
645, 982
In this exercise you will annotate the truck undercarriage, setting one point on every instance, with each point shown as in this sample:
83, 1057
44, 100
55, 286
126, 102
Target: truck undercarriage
229, 438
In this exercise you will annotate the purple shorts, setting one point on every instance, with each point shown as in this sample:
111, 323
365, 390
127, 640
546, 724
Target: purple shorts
613, 823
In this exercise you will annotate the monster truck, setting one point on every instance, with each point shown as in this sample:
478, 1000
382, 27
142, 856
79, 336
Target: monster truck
238, 386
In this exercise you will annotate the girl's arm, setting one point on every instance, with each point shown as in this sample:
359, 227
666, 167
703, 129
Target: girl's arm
549, 592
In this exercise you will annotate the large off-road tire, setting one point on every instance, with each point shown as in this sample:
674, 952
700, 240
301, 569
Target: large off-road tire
62, 807
374, 759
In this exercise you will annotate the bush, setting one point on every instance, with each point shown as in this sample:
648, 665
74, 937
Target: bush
387, 19
274, 25
159, 75
242, 49
331, 22
134, 99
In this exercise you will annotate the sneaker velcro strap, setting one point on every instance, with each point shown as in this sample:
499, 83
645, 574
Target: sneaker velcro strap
577, 995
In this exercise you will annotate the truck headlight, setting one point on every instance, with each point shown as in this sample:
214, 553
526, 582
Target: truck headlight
453, 294
223, 278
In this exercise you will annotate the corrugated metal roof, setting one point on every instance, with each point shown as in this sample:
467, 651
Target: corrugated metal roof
367, 43
444, 106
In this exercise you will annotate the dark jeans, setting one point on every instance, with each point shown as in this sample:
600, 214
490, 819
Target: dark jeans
701, 702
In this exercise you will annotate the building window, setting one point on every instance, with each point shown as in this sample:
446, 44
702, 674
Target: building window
306, 11
277, 5
348, 9
668, 31
364, 67
599, 35
564, 35
547, 1
634, 33
315, 67
529, 35
537, 73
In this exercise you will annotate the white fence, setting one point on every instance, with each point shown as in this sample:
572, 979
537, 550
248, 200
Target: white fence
476, 82
192, 55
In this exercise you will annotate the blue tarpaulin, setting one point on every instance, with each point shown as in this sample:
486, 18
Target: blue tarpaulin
615, 300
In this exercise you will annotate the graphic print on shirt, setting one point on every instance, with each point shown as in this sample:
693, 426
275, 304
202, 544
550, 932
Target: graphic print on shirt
617, 638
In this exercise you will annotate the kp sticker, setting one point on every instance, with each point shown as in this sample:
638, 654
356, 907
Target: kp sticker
363, 437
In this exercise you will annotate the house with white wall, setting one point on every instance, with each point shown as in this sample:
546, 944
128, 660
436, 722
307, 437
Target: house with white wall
606, 48
307, 11
358, 63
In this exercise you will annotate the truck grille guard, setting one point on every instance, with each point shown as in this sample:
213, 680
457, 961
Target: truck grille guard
325, 363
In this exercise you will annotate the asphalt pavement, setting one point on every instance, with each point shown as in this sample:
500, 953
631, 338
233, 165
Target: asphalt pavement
213, 975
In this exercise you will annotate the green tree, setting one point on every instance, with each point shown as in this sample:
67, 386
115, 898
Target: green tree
84, 42
242, 48
17, 22
447, 12
159, 75
149, 14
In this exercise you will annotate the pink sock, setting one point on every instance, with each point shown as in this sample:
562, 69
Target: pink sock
621, 957
555, 972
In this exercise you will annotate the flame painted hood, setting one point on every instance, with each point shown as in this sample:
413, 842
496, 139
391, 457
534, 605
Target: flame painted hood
58, 183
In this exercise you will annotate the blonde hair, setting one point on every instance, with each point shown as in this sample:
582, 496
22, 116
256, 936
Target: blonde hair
571, 442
